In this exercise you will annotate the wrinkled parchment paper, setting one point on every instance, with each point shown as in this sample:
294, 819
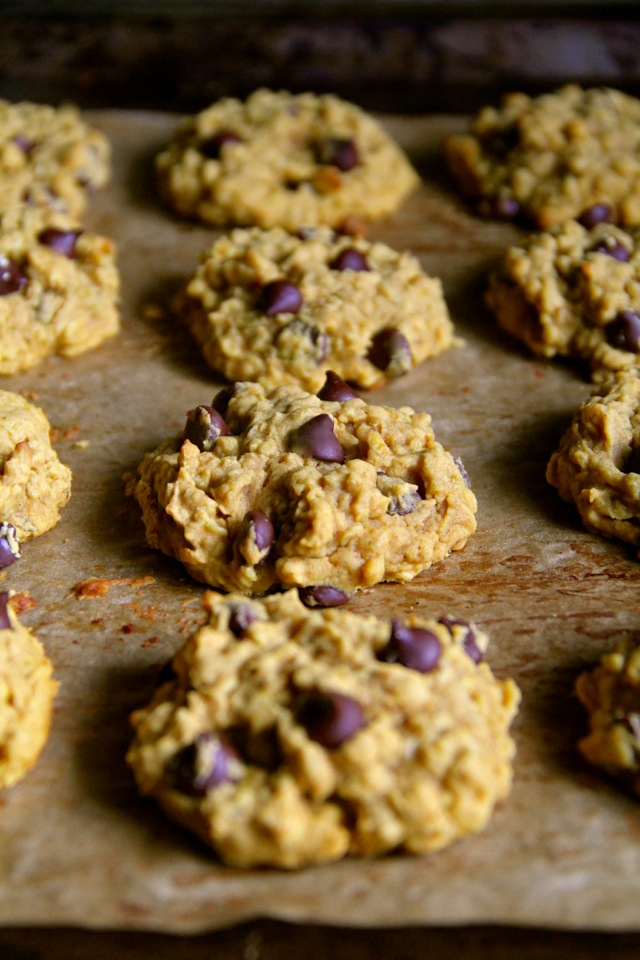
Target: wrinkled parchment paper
77, 846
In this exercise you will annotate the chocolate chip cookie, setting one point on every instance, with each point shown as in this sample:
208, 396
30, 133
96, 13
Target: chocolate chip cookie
282, 159
282, 308
574, 291
27, 692
50, 157
327, 493
553, 157
59, 288
285, 736
34, 485
610, 693
597, 463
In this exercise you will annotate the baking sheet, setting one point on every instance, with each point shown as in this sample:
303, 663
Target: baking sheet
77, 846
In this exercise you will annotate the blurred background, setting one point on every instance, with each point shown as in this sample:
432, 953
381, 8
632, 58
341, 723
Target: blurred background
389, 55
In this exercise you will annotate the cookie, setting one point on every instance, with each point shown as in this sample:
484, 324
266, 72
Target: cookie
282, 159
610, 693
597, 463
283, 487
50, 157
34, 485
281, 308
59, 288
287, 736
573, 292
27, 692
553, 157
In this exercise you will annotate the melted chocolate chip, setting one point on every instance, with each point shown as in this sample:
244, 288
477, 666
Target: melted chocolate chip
62, 241
12, 279
329, 718
469, 637
349, 259
203, 427
390, 352
280, 296
414, 647
212, 147
624, 331
335, 389
340, 152
5, 620
403, 497
204, 764
9, 546
322, 595
316, 439
598, 213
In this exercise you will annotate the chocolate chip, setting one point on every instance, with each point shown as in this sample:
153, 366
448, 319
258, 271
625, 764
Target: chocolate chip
461, 470
5, 620
241, 616
414, 647
62, 241
322, 595
624, 331
204, 764
223, 398
316, 439
335, 389
340, 152
349, 259
23, 143
506, 208
280, 296
390, 352
329, 718
299, 337
12, 278
403, 497
212, 147
260, 530
613, 248
469, 636
9, 546
598, 213
203, 427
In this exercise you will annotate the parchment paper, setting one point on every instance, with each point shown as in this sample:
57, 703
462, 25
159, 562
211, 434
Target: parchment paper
77, 846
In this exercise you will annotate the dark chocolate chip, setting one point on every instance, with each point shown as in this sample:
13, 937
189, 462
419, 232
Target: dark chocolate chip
204, 764
613, 248
624, 331
9, 546
413, 647
298, 335
62, 241
203, 427
349, 259
23, 143
334, 388
212, 147
403, 496
280, 296
12, 278
222, 399
241, 616
461, 470
260, 529
598, 213
469, 638
340, 152
322, 595
390, 352
5, 620
316, 439
329, 718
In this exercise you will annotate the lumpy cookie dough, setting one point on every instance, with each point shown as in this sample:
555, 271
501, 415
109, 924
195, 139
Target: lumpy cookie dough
610, 693
281, 308
597, 463
553, 157
27, 692
573, 291
283, 487
282, 159
59, 288
34, 484
49, 156
286, 736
